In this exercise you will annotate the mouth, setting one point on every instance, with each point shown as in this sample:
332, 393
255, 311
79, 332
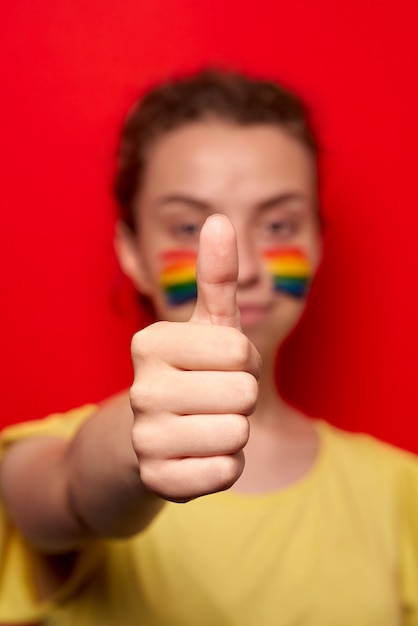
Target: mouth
252, 315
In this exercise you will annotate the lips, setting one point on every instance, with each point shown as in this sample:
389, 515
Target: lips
253, 314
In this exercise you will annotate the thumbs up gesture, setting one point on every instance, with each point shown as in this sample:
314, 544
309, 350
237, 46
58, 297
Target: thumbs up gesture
195, 383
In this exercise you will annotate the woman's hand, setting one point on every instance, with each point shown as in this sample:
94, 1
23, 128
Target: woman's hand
196, 383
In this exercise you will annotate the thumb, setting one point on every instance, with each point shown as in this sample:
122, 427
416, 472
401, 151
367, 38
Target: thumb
217, 274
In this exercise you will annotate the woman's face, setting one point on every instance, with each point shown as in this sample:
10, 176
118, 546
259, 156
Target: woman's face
263, 180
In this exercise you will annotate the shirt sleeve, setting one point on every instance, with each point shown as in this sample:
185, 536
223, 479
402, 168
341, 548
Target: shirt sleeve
408, 489
18, 599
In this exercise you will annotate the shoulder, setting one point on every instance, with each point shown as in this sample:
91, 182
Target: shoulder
366, 449
55, 425
65, 424
371, 463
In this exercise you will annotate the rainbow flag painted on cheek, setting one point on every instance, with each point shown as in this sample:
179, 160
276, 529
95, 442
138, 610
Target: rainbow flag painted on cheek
178, 276
290, 269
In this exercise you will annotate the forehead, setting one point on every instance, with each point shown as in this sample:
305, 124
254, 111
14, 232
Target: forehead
210, 159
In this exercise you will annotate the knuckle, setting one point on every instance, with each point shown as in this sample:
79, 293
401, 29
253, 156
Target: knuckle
162, 479
239, 350
144, 439
150, 474
242, 432
248, 393
237, 434
147, 340
138, 342
143, 396
228, 470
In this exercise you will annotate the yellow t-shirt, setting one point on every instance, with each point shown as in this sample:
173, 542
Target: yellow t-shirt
338, 548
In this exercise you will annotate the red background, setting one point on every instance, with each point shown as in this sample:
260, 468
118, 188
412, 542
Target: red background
70, 71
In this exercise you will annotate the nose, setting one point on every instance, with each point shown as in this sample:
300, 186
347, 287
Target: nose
250, 265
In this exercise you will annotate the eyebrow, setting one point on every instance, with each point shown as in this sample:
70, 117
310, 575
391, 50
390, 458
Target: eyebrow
275, 201
281, 199
184, 199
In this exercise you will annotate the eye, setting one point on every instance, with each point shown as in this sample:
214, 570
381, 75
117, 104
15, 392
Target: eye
278, 229
187, 230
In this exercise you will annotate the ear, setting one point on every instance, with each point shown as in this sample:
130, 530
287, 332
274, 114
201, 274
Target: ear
130, 258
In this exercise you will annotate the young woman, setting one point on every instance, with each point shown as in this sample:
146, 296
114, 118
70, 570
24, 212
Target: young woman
104, 520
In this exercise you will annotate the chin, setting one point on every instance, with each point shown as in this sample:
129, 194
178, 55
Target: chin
265, 339
269, 336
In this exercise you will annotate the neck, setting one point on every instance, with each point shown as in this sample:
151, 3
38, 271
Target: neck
283, 443
271, 408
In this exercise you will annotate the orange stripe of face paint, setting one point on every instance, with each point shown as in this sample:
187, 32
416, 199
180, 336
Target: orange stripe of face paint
178, 276
290, 269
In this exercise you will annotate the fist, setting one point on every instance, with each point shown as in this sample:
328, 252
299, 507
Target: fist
196, 383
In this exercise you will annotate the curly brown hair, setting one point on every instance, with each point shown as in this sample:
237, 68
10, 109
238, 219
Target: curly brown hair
210, 93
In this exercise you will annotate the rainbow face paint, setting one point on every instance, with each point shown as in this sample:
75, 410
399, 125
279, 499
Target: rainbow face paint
290, 269
178, 276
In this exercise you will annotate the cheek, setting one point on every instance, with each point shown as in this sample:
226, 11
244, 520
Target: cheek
177, 276
290, 269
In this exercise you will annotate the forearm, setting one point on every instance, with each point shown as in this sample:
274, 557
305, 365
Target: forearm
62, 494
104, 487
